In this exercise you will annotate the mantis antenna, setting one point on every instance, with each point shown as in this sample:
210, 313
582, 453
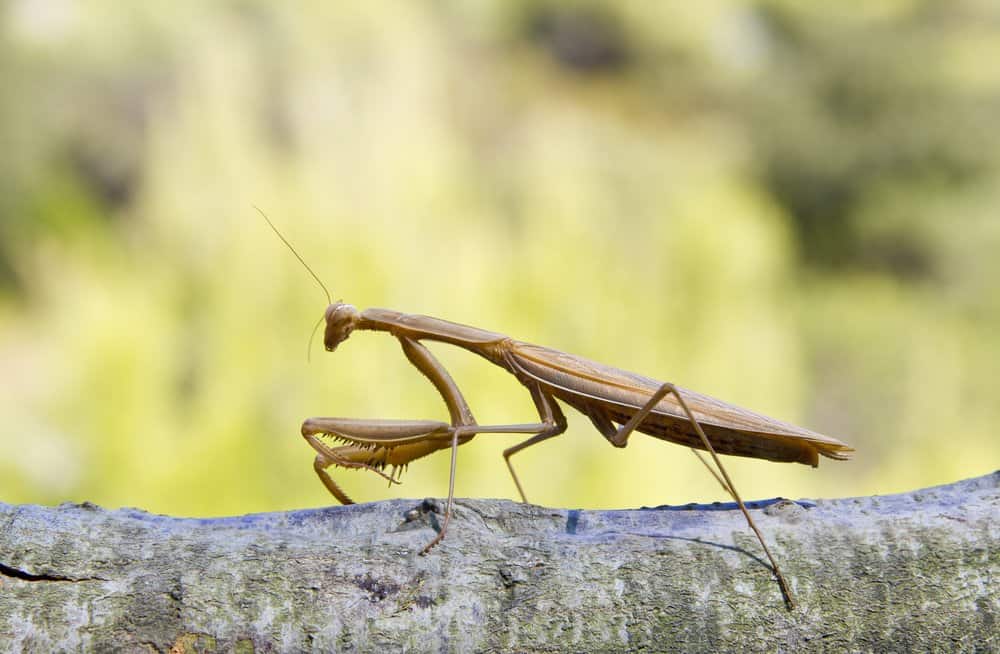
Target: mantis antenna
329, 299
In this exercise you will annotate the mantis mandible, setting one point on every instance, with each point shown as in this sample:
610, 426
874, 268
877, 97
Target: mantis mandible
617, 403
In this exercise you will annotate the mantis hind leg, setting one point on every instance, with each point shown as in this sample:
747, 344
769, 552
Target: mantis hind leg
621, 438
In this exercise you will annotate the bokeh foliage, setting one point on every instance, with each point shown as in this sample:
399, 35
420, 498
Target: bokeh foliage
791, 206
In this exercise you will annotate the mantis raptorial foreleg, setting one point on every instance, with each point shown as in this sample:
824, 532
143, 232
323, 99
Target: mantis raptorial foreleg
427, 363
373, 444
364, 450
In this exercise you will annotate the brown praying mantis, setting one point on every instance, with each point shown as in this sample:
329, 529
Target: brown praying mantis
617, 403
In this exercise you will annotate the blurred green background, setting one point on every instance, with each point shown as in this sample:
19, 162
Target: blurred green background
790, 206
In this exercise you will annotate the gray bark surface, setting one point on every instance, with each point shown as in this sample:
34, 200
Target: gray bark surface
913, 572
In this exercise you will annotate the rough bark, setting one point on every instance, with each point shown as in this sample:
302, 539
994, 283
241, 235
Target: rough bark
912, 572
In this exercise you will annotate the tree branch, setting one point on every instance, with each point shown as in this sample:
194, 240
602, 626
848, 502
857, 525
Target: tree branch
918, 571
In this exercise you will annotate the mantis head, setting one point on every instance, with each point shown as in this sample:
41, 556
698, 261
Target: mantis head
341, 320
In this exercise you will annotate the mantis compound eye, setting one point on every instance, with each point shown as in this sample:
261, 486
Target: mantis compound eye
341, 320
